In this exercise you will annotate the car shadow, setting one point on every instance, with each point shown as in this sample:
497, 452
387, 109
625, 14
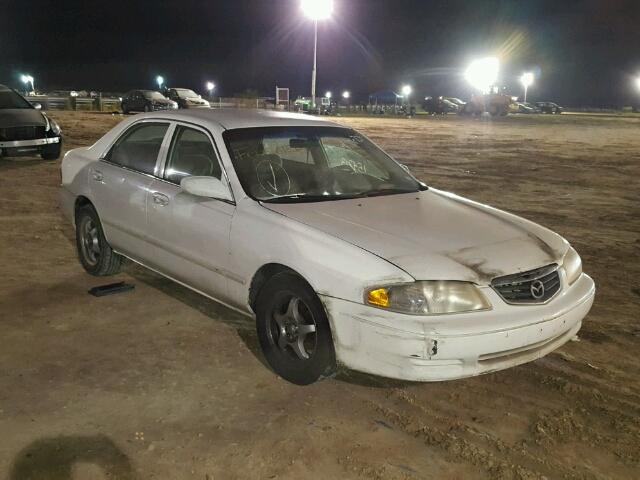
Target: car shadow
54, 458
9, 164
244, 326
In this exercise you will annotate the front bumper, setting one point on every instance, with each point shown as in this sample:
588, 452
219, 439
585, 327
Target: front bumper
26, 147
448, 347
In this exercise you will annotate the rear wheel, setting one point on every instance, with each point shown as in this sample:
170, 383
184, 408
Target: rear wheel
94, 252
294, 331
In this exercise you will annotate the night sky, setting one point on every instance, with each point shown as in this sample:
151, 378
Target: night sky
586, 51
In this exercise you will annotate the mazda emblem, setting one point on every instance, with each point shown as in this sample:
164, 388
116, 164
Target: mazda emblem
537, 289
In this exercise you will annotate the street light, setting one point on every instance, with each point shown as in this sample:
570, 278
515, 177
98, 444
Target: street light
210, 87
346, 95
328, 95
160, 81
26, 79
483, 73
316, 10
407, 90
527, 80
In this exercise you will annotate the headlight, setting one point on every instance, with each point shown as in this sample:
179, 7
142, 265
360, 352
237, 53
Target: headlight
52, 126
572, 265
428, 298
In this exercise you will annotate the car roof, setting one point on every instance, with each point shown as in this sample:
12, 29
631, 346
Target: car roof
233, 119
4, 88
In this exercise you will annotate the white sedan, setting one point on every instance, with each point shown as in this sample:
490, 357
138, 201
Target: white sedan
340, 254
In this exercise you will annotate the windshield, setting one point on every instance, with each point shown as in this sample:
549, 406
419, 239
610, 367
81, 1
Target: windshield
186, 93
302, 164
154, 96
9, 100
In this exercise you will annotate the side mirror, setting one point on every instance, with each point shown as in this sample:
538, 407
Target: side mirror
208, 187
37, 106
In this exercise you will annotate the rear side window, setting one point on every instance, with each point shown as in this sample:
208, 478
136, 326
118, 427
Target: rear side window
192, 155
139, 146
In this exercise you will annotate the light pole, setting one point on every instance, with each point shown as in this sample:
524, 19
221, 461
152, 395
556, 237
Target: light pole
483, 75
527, 80
316, 10
210, 87
26, 79
160, 81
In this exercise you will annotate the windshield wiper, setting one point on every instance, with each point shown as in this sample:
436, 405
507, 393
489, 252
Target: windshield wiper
305, 197
387, 191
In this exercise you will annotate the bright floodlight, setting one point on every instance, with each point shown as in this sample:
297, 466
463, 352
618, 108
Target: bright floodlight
317, 9
160, 80
328, 94
527, 79
346, 95
406, 90
210, 86
483, 73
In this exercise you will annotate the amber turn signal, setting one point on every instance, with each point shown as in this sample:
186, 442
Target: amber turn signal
378, 297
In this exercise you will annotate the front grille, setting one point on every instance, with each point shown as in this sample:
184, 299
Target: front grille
22, 133
535, 286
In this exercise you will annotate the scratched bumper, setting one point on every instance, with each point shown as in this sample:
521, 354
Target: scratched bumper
448, 347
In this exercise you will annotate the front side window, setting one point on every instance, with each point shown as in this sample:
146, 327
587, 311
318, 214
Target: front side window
191, 154
139, 146
299, 164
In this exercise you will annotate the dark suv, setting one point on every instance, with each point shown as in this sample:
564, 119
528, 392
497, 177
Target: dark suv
25, 130
146, 101
549, 107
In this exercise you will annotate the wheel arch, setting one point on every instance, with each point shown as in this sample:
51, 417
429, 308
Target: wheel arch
81, 201
264, 274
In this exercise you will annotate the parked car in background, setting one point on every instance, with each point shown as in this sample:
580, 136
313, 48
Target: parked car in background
186, 98
549, 107
339, 253
456, 101
521, 107
439, 106
25, 130
146, 101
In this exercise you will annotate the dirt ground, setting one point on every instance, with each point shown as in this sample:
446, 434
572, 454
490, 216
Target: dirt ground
161, 383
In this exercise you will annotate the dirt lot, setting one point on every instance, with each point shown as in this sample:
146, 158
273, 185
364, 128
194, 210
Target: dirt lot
161, 383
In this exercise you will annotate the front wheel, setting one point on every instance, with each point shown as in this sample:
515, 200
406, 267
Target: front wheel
294, 331
94, 252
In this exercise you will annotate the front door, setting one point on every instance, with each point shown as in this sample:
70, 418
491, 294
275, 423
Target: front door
190, 234
120, 183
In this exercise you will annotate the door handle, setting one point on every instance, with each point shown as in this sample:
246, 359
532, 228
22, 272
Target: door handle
160, 199
97, 176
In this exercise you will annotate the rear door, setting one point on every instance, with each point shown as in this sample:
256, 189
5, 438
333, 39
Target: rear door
120, 182
191, 234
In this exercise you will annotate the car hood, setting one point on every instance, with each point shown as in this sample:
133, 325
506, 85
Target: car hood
21, 117
435, 235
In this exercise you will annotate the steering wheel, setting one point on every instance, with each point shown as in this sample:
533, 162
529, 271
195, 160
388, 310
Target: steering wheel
273, 178
345, 168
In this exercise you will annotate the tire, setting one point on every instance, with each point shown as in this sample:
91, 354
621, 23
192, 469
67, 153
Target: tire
94, 252
284, 305
52, 152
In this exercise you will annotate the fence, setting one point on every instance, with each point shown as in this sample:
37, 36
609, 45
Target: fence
111, 104
98, 104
